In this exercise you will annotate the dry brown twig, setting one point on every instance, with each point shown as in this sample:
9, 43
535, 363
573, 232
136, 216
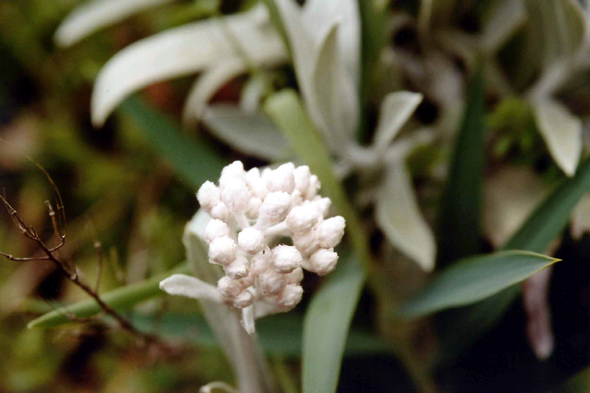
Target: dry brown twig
67, 268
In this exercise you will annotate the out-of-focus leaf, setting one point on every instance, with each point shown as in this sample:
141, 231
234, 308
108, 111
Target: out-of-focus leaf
562, 133
397, 213
286, 110
326, 64
120, 299
278, 335
326, 327
94, 15
372, 15
251, 133
318, 15
557, 27
334, 92
194, 161
182, 51
206, 86
396, 109
541, 228
501, 23
474, 279
459, 227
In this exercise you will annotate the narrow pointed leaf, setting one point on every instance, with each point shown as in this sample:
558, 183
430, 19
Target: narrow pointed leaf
94, 15
397, 213
250, 133
326, 326
120, 299
562, 133
474, 279
459, 227
542, 227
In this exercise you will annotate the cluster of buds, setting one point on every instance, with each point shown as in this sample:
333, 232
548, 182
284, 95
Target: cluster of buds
251, 211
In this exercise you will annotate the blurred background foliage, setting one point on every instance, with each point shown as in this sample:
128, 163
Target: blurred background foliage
130, 185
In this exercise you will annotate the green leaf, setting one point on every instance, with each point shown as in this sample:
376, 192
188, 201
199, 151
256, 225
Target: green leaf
579, 383
250, 133
474, 279
120, 299
194, 161
459, 226
543, 226
277, 334
372, 40
326, 327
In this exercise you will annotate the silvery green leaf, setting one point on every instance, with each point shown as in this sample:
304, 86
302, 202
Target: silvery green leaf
97, 14
250, 133
562, 133
182, 51
207, 85
396, 109
509, 197
501, 22
183, 285
397, 213
334, 93
319, 15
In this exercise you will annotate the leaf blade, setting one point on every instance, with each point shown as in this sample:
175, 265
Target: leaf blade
474, 279
120, 299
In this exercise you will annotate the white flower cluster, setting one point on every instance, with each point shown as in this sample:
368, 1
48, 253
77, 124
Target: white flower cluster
251, 211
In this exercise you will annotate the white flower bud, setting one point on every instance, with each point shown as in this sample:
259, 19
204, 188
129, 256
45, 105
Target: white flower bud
229, 288
216, 228
243, 299
290, 296
302, 175
285, 259
306, 243
314, 187
253, 208
275, 207
236, 195
322, 204
302, 218
221, 212
256, 183
222, 251
295, 277
238, 268
248, 281
208, 196
235, 170
281, 179
323, 261
260, 263
271, 282
330, 231
251, 240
